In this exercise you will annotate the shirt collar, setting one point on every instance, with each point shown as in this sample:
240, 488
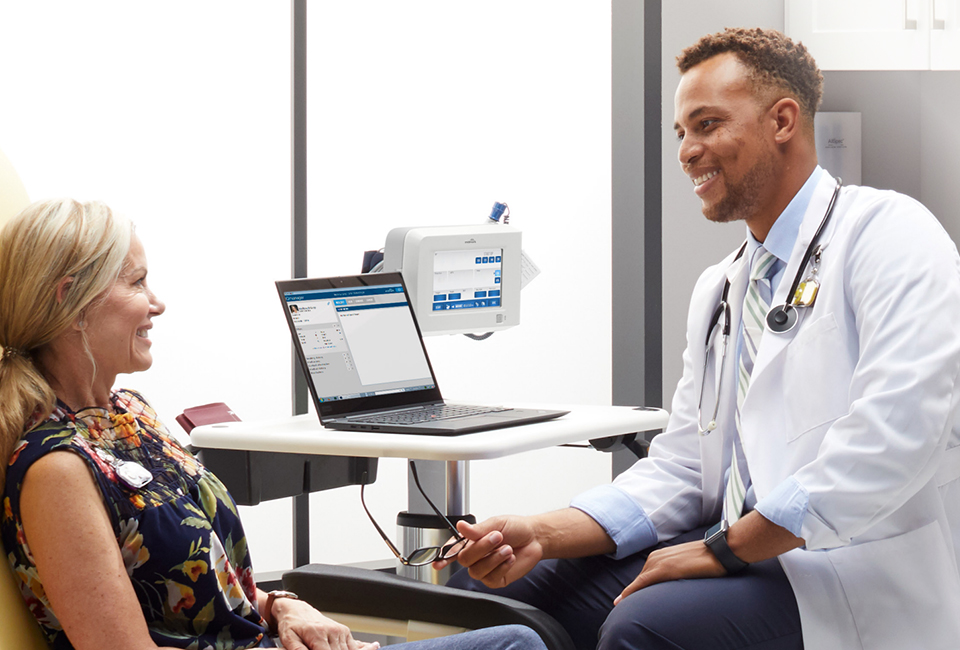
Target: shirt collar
783, 235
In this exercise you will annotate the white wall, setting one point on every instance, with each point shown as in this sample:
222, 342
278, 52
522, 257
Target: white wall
424, 112
940, 147
690, 242
178, 118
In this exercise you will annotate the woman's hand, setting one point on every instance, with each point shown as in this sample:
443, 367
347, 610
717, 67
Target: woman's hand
301, 627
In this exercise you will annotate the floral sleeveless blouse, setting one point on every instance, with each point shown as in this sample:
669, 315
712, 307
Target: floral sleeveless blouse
180, 534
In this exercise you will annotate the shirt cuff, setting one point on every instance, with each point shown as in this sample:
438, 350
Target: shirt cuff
786, 505
620, 516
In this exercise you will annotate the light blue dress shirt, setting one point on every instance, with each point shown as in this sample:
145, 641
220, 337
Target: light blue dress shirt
620, 516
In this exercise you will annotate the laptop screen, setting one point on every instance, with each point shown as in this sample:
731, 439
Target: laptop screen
358, 342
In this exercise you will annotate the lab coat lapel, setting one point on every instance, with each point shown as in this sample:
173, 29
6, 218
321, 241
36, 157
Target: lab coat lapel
771, 345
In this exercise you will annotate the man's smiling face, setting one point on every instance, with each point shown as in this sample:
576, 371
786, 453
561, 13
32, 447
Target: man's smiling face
725, 146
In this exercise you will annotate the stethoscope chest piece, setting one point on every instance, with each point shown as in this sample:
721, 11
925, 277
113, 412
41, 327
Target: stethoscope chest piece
782, 318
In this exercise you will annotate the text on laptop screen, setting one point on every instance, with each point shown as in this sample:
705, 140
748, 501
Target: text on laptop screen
467, 279
359, 341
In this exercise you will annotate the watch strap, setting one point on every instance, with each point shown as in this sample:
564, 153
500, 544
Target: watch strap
716, 541
268, 608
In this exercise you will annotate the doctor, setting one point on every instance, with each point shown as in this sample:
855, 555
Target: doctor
805, 493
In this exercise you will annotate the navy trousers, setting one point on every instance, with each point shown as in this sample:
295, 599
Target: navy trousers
754, 609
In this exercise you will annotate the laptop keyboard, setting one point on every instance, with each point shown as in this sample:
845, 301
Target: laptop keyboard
429, 414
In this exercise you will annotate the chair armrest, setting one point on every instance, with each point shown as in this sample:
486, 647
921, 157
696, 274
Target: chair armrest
364, 592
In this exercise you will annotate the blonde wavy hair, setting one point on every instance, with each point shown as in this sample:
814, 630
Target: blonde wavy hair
41, 246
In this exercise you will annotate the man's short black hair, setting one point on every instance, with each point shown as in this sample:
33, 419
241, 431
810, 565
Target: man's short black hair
774, 61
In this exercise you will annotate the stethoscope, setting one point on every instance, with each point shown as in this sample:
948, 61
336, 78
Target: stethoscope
780, 319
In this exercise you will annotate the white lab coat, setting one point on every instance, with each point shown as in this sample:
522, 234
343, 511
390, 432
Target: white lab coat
858, 407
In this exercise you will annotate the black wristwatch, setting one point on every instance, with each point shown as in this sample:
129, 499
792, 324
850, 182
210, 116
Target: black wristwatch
716, 541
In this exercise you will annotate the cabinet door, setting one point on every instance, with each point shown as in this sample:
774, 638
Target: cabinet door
945, 35
863, 34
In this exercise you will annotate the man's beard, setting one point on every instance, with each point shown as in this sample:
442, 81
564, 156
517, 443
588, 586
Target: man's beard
742, 200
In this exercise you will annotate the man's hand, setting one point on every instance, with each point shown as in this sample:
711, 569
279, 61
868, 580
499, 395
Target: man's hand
301, 627
499, 551
503, 549
752, 539
690, 560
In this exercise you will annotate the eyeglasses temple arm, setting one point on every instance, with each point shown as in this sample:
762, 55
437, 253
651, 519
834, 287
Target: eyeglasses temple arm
377, 526
416, 479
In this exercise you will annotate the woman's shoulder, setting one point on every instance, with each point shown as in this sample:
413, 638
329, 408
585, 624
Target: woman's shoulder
48, 436
34, 453
54, 469
39, 446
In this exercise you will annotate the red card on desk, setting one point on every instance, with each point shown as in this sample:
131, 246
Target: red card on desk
196, 416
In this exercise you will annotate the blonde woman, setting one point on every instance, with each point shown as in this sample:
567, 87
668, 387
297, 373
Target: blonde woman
120, 539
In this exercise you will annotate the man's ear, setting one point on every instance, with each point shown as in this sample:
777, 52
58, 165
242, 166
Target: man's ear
62, 287
786, 114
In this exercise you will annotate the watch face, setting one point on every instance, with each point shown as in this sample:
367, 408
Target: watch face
715, 533
716, 541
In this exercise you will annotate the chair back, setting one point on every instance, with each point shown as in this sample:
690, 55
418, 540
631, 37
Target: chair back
13, 196
18, 627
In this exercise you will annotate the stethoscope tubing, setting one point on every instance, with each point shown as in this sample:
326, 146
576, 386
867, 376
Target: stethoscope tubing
813, 242
779, 319
783, 318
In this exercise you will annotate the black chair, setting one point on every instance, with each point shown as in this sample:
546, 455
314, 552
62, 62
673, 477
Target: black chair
410, 608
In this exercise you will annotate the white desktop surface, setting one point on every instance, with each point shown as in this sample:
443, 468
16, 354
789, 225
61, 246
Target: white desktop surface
303, 434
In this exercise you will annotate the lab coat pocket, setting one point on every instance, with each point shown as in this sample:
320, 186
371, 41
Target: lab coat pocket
890, 581
815, 376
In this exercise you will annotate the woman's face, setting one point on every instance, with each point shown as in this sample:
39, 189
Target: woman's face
118, 326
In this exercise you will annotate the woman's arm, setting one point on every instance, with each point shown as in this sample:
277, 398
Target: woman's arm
79, 561
72, 541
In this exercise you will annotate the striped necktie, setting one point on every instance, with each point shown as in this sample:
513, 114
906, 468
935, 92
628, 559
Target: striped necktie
754, 313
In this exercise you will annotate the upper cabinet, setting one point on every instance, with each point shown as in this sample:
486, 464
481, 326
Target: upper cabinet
877, 34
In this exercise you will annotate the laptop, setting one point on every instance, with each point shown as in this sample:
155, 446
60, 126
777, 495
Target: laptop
360, 347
